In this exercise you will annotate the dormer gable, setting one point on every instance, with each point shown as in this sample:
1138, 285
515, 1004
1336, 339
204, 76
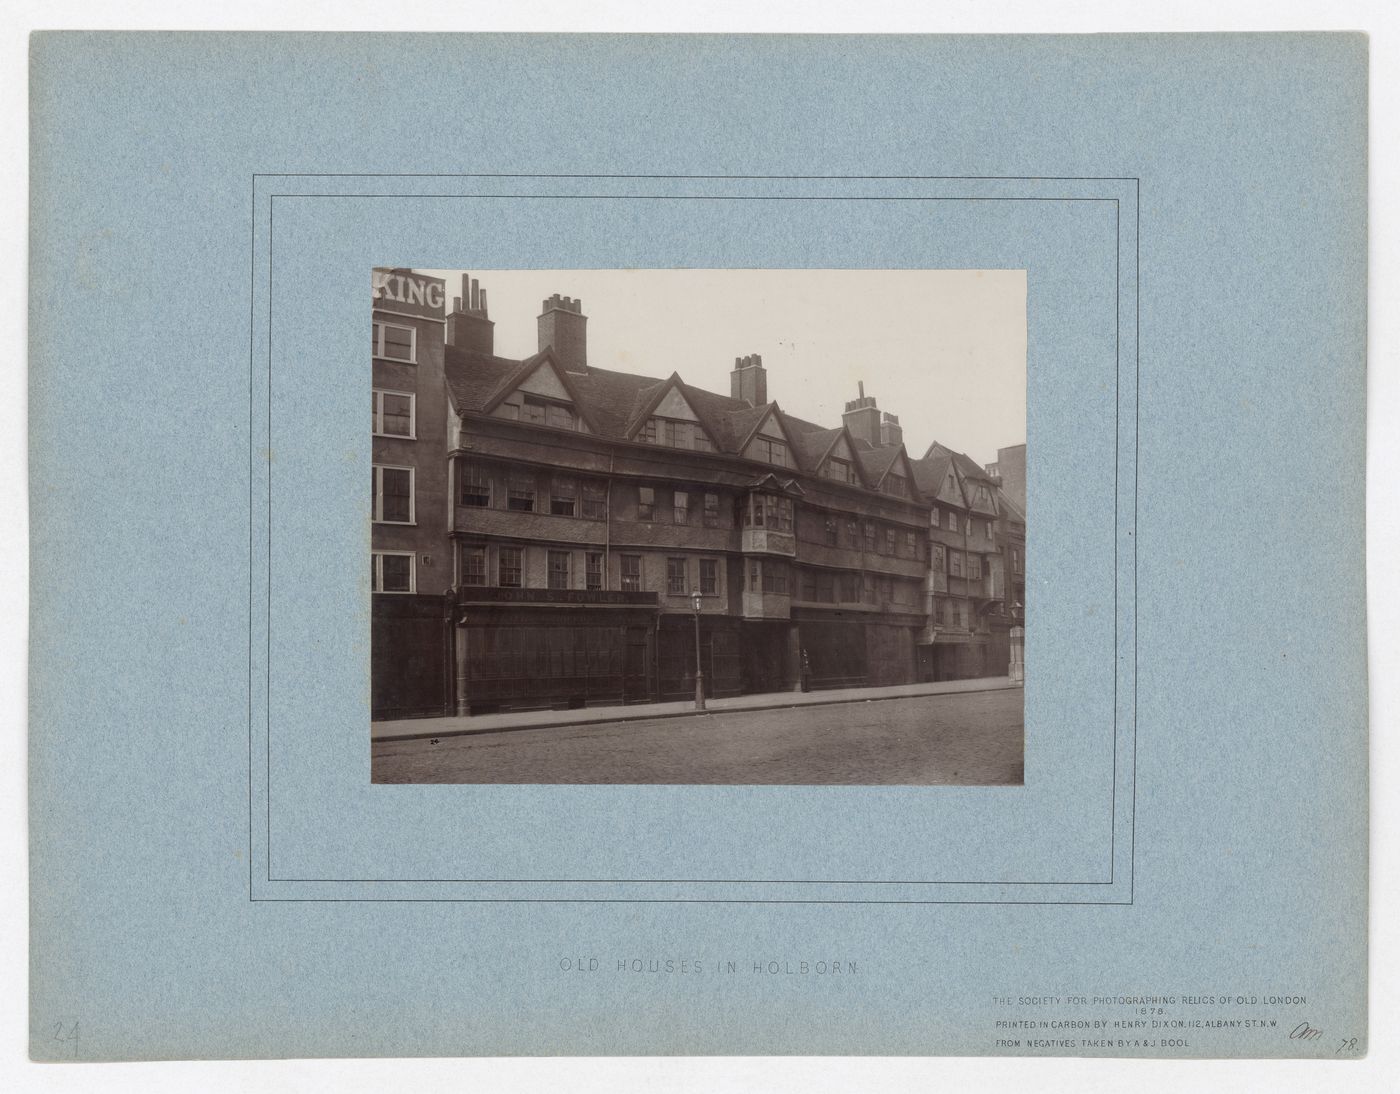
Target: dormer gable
540, 392
667, 418
898, 478
769, 441
839, 463
950, 489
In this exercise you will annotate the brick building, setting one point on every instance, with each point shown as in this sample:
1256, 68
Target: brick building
562, 516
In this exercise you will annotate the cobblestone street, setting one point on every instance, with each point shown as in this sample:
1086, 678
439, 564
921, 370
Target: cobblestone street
973, 738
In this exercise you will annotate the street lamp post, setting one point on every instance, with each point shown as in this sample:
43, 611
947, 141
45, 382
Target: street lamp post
699, 672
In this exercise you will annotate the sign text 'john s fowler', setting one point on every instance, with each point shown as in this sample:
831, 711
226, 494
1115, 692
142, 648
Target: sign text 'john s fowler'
402, 290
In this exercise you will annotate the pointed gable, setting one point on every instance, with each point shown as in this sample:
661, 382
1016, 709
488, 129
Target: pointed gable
898, 479
666, 414
769, 440
540, 382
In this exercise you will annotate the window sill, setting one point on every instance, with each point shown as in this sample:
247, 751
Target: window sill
394, 360
396, 436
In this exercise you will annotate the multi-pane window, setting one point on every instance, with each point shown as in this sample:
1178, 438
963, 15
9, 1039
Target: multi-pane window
955, 563
867, 592
648, 432
631, 573
709, 577
700, 440
888, 541
869, 530
509, 567
752, 584
520, 493
675, 577
473, 565
830, 531
548, 412
476, 486
646, 503
909, 539
775, 577
840, 470
1015, 560
595, 501
393, 495
991, 528
771, 512
393, 414
680, 507
895, 485
563, 498
711, 510
952, 522
974, 567
558, 569
770, 450
593, 570
933, 518
853, 534
391, 572
393, 342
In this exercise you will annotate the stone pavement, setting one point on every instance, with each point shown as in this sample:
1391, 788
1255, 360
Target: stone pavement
407, 728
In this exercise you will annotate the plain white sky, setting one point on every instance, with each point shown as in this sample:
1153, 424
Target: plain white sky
943, 349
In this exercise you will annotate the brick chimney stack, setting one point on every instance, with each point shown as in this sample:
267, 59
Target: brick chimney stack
468, 327
890, 431
563, 328
749, 380
862, 418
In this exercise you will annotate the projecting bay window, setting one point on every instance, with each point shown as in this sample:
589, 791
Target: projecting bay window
563, 497
476, 486
520, 493
393, 414
509, 567
711, 513
631, 573
558, 569
394, 342
768, 511
393, 495
593, 570
680, 507
675, 577
391, 572
474, 566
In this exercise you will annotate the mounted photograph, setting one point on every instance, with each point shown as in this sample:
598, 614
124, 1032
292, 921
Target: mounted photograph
698, 527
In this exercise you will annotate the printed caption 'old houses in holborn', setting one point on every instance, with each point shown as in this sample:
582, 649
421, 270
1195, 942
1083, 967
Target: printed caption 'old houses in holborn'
540, 528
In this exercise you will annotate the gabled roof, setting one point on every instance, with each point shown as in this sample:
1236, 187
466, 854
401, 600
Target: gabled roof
543, 359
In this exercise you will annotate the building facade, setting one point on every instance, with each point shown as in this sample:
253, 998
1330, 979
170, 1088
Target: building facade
574, 516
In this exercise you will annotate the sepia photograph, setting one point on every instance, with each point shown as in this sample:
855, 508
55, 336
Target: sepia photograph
698, 526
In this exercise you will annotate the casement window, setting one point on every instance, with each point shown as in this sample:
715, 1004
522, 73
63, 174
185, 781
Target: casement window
850, 588
909, 544
1015, 560
933, 517
991, 529
840, 470
709, 577
974, 567
753, 585
520, 493
771, 512
775, 577
393, 414
595, 501
700, 440
393, 495
646, 503
680, 507
476, 486
473, 565
952, 522
940, 559
391, 572
647, 434
563, 497
631, 573
955, 563
711, 513
887, 589
853, 534
770, 450
509, 567
896, 486
830, 532
869, 530
889, 542
867, 591
593, 570
558, 569
675, 577
548, 412
394, 342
